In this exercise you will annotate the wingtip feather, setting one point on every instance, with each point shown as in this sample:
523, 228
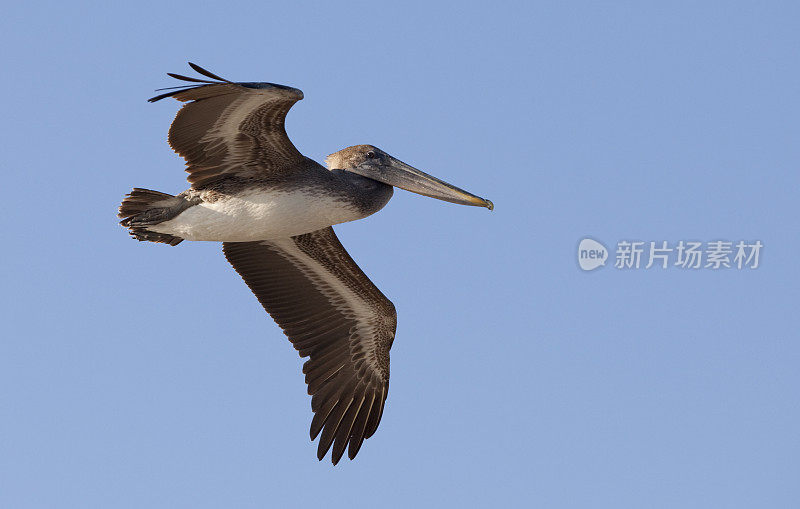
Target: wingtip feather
207, 73
187, 78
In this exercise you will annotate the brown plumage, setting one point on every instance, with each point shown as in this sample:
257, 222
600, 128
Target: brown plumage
250, 183
232, 129
334, 314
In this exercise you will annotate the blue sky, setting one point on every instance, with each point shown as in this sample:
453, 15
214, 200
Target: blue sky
141, 375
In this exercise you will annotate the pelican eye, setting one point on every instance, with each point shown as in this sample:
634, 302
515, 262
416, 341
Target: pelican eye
370, 155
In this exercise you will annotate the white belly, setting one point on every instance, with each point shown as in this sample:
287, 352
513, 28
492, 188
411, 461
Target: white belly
258, 215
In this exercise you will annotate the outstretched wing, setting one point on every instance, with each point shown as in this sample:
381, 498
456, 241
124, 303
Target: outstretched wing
333, 313
232, 128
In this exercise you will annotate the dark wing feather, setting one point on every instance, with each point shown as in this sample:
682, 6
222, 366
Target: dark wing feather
333, 313
207, 73
187, 78
231, 128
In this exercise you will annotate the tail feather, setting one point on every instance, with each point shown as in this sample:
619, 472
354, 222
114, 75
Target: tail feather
142, 207
140, 200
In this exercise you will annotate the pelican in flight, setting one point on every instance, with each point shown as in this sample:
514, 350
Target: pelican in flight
272, 208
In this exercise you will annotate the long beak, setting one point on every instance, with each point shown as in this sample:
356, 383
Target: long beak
399, 174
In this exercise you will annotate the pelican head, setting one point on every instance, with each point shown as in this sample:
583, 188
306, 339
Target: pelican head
375, 164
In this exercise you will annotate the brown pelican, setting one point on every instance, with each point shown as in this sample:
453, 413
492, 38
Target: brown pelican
272, 208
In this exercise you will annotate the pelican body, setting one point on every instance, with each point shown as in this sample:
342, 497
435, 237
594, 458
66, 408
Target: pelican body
241, 211
273, 208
